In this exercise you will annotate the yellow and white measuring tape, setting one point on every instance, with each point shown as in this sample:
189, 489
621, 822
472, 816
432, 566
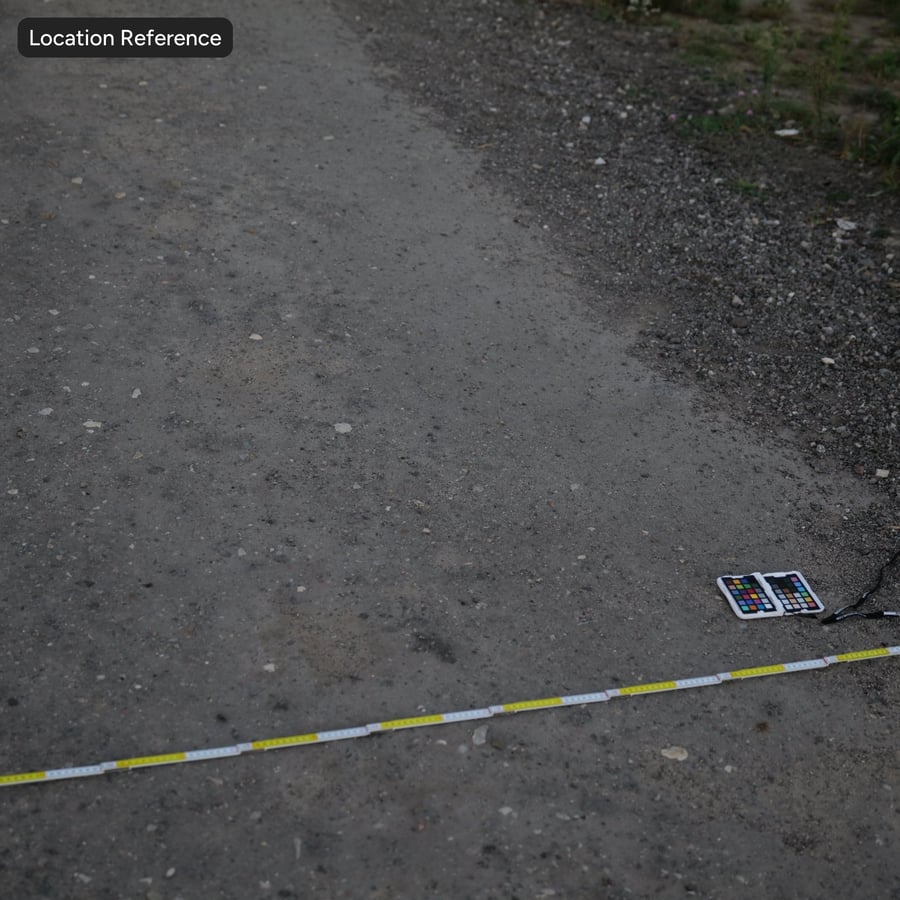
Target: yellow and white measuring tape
343, 734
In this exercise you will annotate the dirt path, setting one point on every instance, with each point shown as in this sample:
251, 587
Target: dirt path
211, 269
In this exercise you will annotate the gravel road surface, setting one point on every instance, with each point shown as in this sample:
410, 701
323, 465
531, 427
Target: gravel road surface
310, 422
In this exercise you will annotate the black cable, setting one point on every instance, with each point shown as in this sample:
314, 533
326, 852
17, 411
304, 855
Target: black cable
852, 610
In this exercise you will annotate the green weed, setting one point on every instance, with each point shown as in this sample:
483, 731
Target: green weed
771, 46
791, 110
884, 65
887, 143
825, 68
750, 188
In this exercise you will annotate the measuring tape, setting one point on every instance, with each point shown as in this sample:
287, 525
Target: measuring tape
343, 734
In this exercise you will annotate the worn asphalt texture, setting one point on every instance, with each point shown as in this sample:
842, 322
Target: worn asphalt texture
206, 266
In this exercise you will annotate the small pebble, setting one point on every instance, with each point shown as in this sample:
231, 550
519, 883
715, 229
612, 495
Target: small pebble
677, 753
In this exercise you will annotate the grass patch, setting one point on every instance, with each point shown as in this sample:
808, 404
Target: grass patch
839, 84
884, 66
771, 10
748, 188
838, 81
705, 50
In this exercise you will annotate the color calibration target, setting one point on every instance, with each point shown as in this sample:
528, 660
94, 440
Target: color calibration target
793, 593
757, 596
748, 597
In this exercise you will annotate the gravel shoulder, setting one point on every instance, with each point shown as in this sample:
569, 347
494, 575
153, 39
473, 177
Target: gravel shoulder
755, 266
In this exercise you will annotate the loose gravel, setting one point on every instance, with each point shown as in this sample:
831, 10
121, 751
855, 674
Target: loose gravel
755, 265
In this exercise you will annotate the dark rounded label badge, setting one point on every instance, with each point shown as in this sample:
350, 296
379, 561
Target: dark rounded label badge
137, 37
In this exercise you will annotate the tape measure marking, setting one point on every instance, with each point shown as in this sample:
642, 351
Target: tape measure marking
26, 777
655, 688
523, 705
864, 654
415, 722
758, 671
343, 734
292, 741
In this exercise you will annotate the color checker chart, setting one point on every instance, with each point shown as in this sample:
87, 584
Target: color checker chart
793, 593
759, 596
